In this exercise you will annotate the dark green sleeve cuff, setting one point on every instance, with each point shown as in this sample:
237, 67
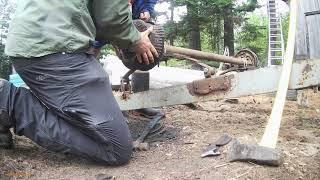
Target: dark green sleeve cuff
113, 21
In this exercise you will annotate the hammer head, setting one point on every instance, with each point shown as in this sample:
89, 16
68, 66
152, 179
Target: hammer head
255, 153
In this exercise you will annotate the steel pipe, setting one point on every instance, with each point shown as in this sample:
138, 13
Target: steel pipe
205, 55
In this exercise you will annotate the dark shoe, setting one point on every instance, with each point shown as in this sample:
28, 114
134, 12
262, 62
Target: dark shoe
5, 134
6, 141
147, 113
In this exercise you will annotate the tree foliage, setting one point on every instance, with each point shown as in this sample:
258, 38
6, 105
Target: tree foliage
253, 34
221, 23
6, 9
5, 64
215, 17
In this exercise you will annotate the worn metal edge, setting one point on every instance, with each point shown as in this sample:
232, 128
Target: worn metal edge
264, 80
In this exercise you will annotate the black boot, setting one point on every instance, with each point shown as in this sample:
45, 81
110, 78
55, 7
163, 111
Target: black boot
149, 112
145, 113
6, 141
5, 134
140, 82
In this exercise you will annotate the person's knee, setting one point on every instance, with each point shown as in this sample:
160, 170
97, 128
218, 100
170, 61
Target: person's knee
124, 151
124, 158
119, 155
119, 149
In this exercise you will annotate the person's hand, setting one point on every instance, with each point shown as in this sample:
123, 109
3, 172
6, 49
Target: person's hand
144, 50
145, 16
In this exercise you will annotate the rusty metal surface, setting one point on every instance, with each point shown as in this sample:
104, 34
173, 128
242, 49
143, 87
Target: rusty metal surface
125, 86
260, 81
248, 56
209, 85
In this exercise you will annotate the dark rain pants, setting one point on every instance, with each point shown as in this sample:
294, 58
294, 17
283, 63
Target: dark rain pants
70, 108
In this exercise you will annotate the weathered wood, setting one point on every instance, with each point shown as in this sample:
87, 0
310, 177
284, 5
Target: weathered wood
270, 135
308, 30
313, 27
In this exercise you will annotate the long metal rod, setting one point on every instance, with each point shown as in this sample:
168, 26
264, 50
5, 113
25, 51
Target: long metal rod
204, 55
260, 81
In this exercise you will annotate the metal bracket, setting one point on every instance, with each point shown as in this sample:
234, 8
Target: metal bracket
125, 86
209, 85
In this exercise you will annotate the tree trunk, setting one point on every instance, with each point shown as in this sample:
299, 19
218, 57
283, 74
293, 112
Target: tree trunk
217, 27
194, 29
229, 30
195, 42
171, 38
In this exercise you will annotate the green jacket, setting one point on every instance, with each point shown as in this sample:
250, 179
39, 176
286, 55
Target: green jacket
42, 27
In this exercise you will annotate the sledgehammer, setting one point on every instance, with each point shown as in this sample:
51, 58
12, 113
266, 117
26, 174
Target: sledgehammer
265, 153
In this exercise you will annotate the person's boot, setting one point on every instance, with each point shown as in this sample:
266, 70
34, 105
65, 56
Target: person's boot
5, 134
148, 113
140, 81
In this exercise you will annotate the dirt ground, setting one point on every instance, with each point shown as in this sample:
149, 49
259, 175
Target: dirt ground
176, 153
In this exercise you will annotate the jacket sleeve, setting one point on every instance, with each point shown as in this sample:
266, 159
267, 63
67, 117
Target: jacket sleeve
113, 22
149, 5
